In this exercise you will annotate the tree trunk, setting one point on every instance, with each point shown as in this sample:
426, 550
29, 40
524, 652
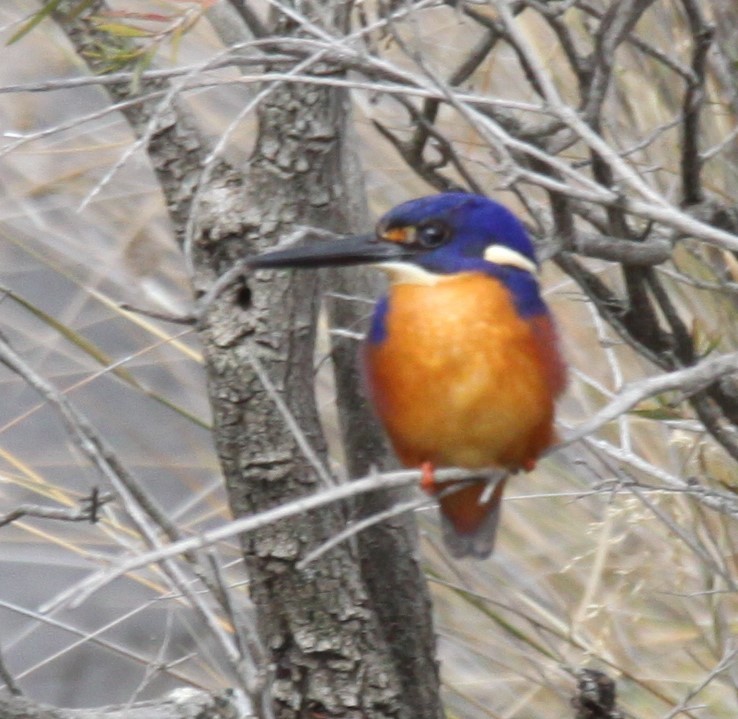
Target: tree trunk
351, 635
324, 626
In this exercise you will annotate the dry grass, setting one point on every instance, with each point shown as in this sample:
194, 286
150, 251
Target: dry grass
590, 571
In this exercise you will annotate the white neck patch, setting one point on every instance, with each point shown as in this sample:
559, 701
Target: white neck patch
501, 255
406, 273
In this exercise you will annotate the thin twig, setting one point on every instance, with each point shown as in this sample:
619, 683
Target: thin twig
251, 523
686, 381
727, 661
693, 103
360, 525
85, 513
140, 506
7, 677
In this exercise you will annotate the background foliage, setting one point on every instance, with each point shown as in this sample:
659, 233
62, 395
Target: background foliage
609, 126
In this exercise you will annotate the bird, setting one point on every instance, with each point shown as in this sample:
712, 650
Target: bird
462, 358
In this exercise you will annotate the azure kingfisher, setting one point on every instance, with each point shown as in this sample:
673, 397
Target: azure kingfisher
462, 359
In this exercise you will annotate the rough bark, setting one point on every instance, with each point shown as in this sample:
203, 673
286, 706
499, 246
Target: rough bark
397, 589
337, 632
351, 636
327, 647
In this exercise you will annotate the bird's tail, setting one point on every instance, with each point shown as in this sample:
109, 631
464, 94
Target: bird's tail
470, 516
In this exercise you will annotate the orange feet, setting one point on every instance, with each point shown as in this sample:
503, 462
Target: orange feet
427, 479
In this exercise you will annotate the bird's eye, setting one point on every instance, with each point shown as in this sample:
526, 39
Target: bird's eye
431, 235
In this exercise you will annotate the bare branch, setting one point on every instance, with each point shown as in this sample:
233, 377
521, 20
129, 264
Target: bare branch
686, 382
86, 513
615, 249
8, 679
181, 704
360, 525
727, 662
139, 504
694, 99
371, 483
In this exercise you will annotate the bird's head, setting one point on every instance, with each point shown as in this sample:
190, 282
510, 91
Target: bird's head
456, 232
424, 240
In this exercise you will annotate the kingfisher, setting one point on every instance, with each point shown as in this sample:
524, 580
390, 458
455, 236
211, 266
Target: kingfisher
462, 358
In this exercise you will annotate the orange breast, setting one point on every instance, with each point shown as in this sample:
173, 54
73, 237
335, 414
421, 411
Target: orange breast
460, 379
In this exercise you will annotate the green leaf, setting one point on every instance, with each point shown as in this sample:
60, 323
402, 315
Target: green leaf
657, 413
120, 29
34, 20
142, 65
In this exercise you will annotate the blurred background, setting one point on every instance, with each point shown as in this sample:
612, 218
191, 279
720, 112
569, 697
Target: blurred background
605, 559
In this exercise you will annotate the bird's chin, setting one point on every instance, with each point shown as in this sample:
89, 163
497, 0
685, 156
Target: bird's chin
407, 273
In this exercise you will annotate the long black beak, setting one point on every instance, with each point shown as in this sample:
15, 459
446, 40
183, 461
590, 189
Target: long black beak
357, 250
